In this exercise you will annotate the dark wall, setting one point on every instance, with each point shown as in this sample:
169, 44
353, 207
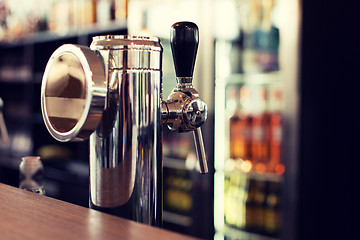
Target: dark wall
330, 127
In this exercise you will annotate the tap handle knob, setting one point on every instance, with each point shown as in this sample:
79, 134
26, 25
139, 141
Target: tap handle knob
184, 40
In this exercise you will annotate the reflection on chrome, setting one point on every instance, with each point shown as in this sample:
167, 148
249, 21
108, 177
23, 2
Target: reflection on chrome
125, 149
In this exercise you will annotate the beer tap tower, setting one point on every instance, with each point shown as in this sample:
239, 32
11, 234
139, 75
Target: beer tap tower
111, 94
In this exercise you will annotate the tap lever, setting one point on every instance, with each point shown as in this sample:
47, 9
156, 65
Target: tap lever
184, 40
184, 110
200, 150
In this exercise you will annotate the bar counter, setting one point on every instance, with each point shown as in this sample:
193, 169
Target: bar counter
26, 215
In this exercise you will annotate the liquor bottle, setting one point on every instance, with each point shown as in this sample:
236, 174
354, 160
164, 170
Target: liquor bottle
276, 126
230, 201
177, 191
240, 199
250, 211
259, 205
250, 26
240, 124
60, 16
120, 8
245, 100
103, 12
268, 39
227, 195
272, 219
31, 175
260, 131
232, 107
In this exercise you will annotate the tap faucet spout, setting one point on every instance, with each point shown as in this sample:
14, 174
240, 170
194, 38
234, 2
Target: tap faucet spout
184, 111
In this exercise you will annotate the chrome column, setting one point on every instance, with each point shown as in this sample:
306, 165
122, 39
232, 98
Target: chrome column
126, 150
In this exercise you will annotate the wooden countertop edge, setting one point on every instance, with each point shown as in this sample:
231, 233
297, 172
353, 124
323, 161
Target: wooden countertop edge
26, 215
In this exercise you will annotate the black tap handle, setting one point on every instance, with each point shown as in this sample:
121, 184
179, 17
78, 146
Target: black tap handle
184, 40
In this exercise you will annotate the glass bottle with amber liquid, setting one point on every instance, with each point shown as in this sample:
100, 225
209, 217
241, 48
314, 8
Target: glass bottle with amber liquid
272, 212
259, 205
260, 131
276, 127
250, 207
267, 39
240, 123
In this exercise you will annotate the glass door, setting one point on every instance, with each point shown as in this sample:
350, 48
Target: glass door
249, 121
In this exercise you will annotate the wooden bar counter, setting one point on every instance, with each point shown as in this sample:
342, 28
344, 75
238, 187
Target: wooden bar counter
26, 215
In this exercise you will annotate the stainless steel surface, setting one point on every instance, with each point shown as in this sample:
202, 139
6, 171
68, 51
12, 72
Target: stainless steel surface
184, 111
118, 42
126, 150
129, 52
73, 93
200, 149
125, 142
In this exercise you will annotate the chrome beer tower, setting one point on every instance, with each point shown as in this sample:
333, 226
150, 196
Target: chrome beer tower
111, 94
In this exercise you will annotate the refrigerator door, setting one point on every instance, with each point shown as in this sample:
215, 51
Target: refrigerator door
256, 119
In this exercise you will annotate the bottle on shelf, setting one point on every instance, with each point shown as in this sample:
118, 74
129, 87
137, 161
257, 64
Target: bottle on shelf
267, 36
250, 210
239, 127
272, 212
250, 25
240, 200
276, 125
177, 191
259, 205
119, 9
260, 131
103, 12
229, 200
232, 106
235, 197
226, 197
59, 16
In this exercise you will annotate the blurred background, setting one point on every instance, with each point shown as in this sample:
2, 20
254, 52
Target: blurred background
278, 76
